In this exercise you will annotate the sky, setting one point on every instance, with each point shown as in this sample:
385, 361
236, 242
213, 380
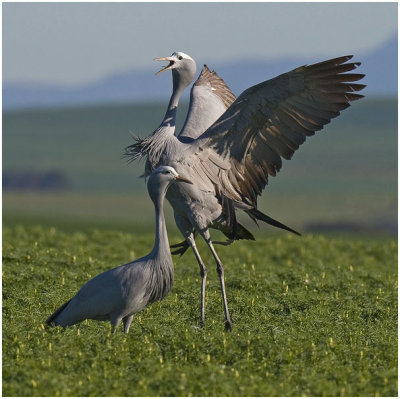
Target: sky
76, 43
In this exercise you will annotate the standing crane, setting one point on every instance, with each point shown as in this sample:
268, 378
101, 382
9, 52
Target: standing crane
230, 161
119, 293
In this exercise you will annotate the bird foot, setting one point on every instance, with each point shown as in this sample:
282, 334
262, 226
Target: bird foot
180, 244
224, 243
182, 248
228, 325
179, 251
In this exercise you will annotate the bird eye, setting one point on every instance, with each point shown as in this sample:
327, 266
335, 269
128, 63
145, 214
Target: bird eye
180, 57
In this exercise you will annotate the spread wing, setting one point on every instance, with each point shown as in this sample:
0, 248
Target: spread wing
269, 121
210, 97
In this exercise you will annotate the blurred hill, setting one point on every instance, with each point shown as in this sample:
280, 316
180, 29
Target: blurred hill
380, 66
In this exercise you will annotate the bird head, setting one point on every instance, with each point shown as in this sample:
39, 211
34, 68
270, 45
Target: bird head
183, 67
168, 173
177, 60
161, 178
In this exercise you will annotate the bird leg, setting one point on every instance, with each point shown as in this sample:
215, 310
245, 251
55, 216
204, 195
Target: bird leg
127, 323
115, 321
220, 270
182, 246
189, 233
203, 274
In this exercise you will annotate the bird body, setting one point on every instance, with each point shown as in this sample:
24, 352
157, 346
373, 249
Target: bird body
111, 289
119, 293
230, 155
190, 153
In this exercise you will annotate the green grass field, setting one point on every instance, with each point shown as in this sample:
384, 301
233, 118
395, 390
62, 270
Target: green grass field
313, 316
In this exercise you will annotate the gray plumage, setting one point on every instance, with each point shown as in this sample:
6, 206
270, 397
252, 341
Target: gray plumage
230, 161
119, 293
209, 99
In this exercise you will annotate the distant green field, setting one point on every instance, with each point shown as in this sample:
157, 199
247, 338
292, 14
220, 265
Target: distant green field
312, 316
346, 173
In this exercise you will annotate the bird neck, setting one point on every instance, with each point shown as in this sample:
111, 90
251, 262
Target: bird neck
161, 244
179, 82
161, 269
170, 115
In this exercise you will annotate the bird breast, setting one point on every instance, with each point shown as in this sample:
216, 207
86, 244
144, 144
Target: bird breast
161, 278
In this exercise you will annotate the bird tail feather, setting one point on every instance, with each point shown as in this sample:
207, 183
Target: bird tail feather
242, 234
52, 318
255, 214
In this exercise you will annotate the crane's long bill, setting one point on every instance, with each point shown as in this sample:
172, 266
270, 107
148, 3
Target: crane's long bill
180, 178
171, 62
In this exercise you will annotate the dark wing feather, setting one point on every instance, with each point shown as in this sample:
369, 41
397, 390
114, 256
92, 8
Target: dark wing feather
210, 97
269, 121
218, 85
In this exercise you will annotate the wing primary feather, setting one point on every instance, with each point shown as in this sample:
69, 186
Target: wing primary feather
344, 77
329, 63
269, 121
337, 68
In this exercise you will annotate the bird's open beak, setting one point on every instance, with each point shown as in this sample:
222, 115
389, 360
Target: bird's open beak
169, 66
180, 178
